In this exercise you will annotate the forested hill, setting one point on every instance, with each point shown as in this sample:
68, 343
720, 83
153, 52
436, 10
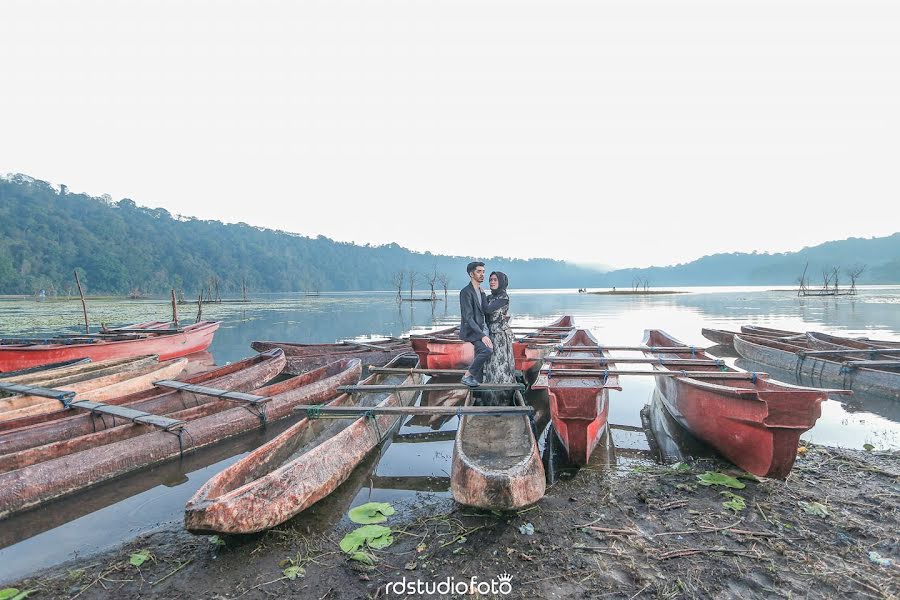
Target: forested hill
46, 232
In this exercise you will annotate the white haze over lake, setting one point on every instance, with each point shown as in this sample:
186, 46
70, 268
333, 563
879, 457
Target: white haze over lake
624, 133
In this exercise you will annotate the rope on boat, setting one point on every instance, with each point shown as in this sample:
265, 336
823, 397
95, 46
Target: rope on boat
258, 410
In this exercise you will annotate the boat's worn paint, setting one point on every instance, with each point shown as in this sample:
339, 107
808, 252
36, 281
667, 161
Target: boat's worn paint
31, 486
756, 424
305, 357
298, 468
579, 406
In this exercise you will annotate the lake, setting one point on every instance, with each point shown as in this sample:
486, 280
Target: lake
418, 462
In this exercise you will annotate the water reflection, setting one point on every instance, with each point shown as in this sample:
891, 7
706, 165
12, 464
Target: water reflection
418, 462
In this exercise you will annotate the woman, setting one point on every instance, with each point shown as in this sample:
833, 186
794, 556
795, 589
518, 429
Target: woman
501, 366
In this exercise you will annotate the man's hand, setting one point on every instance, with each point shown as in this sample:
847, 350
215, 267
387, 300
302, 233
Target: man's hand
487, 342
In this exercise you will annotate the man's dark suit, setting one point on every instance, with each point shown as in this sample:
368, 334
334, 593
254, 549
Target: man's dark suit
472, 329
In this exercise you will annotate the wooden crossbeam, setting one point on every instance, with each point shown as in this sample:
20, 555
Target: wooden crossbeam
873, 363
402, 371
34, 390
694, 349
690, 374
656, 361
208, 391
866, 351
363, 411
130, 414
427, 387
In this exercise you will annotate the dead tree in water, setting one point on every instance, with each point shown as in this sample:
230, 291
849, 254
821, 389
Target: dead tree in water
445, 283
413, 276
432, 277
801, 291
835, 272
397, 280
853, 273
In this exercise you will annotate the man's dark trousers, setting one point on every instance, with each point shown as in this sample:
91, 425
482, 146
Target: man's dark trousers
482, 354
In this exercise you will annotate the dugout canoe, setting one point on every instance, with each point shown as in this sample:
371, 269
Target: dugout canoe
44, 368
82, 371
866, 346
769, 331
36, 484
298, 468
117, 385
496, 465
305, 357
82, 430
722, 337
136, 340
444, 349
756, 423
579, 405
848, 372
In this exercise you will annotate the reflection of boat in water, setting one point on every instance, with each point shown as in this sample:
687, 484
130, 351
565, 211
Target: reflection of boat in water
858, 402
673, 443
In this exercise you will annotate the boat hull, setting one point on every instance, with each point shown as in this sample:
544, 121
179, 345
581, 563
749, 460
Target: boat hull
34, 485
195, 338
266, 488
756, 424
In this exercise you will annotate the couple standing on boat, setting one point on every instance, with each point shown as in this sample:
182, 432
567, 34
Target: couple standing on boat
485, 323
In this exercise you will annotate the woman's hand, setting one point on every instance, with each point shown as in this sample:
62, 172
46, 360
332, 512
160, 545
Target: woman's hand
487, 342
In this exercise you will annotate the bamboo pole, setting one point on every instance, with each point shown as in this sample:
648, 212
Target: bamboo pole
362, 411
87, 326
866, 351
430, 387
174, 309
199, 306
693, 362
690, 374
634, 348
401, 371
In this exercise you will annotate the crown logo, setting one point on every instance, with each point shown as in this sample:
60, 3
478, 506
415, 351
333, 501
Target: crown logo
505, 578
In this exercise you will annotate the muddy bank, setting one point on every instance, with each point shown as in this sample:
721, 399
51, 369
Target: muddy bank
831, 530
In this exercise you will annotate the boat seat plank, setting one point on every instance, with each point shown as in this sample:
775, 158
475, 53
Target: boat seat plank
208, 391
431, 387
33, 390
136, 416
873, 363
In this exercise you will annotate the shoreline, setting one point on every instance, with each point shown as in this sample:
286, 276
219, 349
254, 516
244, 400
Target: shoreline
637, 293
618, 532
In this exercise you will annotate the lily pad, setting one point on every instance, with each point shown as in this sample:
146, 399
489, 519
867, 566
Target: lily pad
138, 558
375, 536
814, 508
734, 502
713, 478
293, 572
15, 594
371, 512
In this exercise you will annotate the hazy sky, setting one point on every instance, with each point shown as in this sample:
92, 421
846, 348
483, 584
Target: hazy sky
626, 133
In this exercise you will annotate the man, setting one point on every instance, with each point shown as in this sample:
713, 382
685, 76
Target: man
472, 328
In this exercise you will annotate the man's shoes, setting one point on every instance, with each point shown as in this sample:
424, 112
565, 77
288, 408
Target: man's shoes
470, 381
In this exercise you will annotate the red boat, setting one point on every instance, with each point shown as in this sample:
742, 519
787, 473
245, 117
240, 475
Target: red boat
444, 350
579, 399
755, 422
142, 339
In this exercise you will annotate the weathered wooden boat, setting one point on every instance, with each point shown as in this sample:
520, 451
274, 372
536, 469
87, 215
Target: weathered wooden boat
33, 485
44, 368
810, 366
81, 372
866, 346
769, 331
37, 443
99, 389
444, 349
298, 468
304, 357
579, 402
532, 348
754, 422
137, 340
496, 464
719, 336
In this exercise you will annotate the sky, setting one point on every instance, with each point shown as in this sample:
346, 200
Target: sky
618, 133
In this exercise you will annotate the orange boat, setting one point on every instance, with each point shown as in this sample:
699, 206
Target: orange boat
579, 393
156, 337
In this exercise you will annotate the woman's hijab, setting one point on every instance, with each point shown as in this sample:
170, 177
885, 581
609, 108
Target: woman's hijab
503, 283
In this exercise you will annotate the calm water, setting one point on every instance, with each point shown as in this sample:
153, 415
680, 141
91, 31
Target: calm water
417, 464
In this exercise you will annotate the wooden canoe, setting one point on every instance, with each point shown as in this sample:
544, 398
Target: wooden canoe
769, 332
36, 484
82, 372
156, 339
305, 357
298, 468
419, 342
496, 465
835, 370
529, 350
823, 341
44, 368
579, 405
719, 336
75, 430
120, 385
755, 423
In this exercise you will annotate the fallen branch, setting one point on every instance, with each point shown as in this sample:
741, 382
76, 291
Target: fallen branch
691, 551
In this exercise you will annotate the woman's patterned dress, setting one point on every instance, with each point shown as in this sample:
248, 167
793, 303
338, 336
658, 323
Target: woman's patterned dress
501, 367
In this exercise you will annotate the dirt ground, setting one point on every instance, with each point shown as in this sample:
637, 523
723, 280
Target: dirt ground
639, 532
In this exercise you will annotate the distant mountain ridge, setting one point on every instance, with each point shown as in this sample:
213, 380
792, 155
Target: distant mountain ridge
46, 232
